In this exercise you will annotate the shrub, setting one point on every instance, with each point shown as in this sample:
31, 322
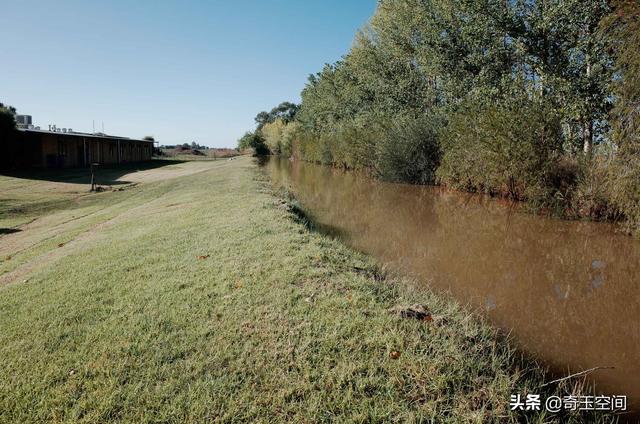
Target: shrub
623, 28
352, 146
625, 184
272, 133
279, 136
591, 196
255, 141
509, 149
306, 146
409, 151
399, 149
344, 147
290, 132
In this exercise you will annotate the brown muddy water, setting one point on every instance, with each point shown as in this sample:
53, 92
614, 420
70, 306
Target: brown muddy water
568, 291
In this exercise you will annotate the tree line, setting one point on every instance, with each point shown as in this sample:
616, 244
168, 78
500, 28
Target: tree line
274, 131
533, 100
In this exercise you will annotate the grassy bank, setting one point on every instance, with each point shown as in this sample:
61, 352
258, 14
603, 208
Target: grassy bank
28, 195
204, 298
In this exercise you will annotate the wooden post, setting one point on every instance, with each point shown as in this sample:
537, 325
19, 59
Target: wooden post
93, 177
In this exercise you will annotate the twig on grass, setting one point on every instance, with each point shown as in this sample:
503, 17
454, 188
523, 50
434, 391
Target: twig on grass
578, 374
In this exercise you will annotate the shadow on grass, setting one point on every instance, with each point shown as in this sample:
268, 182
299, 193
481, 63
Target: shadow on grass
4, 231
302, 216
104, 174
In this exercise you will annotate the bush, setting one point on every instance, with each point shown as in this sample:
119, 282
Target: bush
289, 134
409, 151
591, 196
625, 184
272, 133
399, 149
305, 147
255, 141
623, 28
279, 136
352, 145
510, 149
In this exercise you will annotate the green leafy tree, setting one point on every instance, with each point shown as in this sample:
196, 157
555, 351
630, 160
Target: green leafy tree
255, 141
507, 97
510, 148
7, 120
7, 127
272, 133
622, 29
285, 111
563, 55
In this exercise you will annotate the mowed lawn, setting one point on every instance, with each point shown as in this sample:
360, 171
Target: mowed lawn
202, 298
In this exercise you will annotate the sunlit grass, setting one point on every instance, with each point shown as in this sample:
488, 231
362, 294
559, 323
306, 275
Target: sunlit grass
201, 298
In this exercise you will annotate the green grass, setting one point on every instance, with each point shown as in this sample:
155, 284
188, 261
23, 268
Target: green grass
273, 323
27, 195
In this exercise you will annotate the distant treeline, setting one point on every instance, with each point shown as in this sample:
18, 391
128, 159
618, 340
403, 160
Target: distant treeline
192, 146
533, 100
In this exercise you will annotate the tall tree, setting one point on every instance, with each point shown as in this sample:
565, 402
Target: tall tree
286, 111
565, 61
7, 120
622, 29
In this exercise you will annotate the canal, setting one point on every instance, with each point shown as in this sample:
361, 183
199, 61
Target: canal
567, 291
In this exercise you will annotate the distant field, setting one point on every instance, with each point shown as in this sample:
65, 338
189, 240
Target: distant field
194, 294
201, 154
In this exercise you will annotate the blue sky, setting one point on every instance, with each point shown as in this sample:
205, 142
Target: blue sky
180, 71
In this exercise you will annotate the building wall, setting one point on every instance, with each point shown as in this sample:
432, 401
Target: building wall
68, 151
20, 151
25, 149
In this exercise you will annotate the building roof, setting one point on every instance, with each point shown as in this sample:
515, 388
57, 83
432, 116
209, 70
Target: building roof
84, 135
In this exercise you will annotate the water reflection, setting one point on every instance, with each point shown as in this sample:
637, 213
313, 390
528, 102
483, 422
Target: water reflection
567, 290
